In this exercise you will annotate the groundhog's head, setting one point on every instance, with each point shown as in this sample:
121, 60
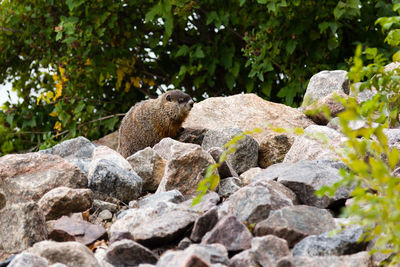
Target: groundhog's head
177, 104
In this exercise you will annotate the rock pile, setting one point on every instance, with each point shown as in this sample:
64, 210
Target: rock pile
82, 204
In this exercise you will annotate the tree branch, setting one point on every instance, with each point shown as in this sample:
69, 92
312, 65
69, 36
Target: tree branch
4, 29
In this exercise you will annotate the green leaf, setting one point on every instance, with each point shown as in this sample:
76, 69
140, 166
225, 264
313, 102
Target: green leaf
73, 4
291, 46
393, 158
183, 51
212, 16
155, 10
230, 80
198, 53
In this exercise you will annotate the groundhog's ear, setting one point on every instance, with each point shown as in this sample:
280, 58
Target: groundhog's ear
168, 97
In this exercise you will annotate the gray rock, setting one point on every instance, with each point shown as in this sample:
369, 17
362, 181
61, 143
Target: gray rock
343, 243
281, 195
156, 225
78, 151
99, 205
246, 154
363, 95
205, 255
150, 166
21, 225
213, 253
229, 232
100, 255
173, 196
181, 259
305, 177
106, 153
313, 148
225, 169
26, 177
117, 236
252, 204
110, 180
105, 215
228, 186
184, 243
63, 200
269, 249
203, 224
186, 165
324, 83
361, 259
248, 175
129, 253
68, 253
192, 135
26, 259
208, 201
294, 223
246, 258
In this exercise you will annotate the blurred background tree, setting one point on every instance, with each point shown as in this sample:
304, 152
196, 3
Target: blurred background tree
78, 65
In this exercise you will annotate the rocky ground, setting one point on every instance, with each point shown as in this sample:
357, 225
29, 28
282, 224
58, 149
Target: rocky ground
82, 204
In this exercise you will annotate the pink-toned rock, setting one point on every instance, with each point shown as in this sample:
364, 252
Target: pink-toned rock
186, 165
110, 140
63, 200
73, 229
310, 148
21, 225
247, 111
150, 166
231, 233
25, 177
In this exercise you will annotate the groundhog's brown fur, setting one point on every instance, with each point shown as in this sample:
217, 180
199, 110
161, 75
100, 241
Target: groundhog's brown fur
151, 120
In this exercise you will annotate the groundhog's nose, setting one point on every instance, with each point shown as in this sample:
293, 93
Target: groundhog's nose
191, 103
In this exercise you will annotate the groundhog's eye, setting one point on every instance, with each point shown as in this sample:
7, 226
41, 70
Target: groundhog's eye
181, 100
168, 98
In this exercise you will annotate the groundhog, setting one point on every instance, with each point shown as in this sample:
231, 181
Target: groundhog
151, 120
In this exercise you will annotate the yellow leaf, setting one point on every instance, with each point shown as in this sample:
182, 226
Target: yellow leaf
135, 81
58, 126
151, 83
55, 77
88, 62
39, 98
396, 56
58, 91
62, 71
120, 76
127, 87
54, 114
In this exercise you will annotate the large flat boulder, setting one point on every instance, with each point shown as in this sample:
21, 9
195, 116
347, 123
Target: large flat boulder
247, 111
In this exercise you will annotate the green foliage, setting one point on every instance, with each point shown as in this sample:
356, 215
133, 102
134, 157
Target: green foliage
74, 62
369, 159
